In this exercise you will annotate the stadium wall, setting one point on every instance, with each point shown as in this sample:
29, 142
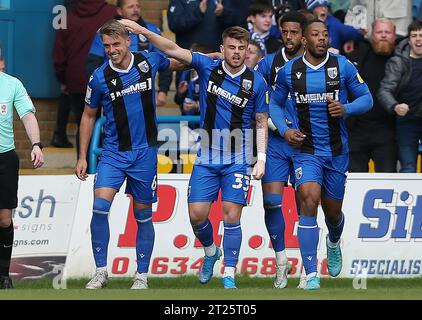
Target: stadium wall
382, 236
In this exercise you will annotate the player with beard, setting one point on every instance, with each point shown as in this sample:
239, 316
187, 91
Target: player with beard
319, 83
279, 166
230, 94
372, 135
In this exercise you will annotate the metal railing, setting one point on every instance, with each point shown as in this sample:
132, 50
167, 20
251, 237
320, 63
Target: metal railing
95, 148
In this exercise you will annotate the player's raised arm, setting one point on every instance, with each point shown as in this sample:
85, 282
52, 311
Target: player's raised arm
165, 45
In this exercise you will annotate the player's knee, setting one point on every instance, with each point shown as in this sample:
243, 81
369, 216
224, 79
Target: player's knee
272, 201
5, 222
196, 219
143, 215
310, 202
101, 206
197, 214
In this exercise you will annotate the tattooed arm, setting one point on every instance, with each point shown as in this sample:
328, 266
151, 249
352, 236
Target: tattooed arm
261, 143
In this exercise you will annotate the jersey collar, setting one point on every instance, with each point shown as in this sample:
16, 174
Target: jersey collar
132, 59
230, 74
318, 66
283, 53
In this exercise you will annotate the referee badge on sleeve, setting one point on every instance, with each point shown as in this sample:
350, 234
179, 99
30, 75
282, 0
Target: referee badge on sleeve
3, 109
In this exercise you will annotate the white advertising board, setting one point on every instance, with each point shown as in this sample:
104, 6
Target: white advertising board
43, 223
382, 235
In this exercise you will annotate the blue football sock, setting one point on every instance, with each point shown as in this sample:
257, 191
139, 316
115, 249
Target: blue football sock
231, 243
274, 220
334, 232
308, 236
204, 233
100, 231
145, 237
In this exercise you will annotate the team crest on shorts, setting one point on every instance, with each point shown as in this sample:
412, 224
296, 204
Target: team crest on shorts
143, 66
3, 109
298, 173
332, 72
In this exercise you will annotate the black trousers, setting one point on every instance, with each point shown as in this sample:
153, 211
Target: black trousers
378, 145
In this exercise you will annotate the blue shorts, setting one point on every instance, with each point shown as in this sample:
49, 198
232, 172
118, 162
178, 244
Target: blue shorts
206, 181
279, 165
138, 166
329, 172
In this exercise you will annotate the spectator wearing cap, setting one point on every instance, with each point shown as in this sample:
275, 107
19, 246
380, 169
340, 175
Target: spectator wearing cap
339, 33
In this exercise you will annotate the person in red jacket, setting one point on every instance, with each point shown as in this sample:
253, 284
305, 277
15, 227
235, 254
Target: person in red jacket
71, 49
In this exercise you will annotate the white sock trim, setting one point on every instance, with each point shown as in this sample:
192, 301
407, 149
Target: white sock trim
308, 227
311, 275
100, 212
141, 276
332, 244
281, 257
229, 272
230, 228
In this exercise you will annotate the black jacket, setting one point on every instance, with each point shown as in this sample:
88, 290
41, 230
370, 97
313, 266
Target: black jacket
192, 26
371, 67
397, 75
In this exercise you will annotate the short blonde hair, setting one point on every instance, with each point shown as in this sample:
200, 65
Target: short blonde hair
114, 28
384, 20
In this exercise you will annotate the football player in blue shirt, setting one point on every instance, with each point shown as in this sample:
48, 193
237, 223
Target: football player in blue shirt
130, 9
319, 83
230, 93
124, 87
279, 166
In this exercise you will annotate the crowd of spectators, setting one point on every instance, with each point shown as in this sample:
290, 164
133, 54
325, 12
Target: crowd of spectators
383, 39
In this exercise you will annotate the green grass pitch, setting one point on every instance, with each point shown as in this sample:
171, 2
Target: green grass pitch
188, 288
